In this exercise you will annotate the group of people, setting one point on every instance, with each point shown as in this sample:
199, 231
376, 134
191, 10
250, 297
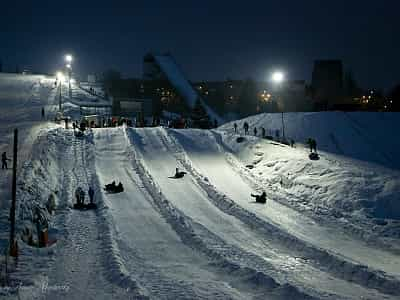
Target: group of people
80, 197
114, 188
246, 129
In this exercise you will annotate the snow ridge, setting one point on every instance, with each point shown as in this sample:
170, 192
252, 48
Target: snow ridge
206, 242
346, 270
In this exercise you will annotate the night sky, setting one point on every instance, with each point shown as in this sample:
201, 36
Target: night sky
211, 40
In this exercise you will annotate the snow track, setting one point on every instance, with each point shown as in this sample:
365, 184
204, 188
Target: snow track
281, 223
244, 237
151, 250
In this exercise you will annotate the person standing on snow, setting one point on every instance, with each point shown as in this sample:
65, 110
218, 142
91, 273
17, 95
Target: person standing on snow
255, 131
91, 194
310, 144
4, 161
235, 126
263, 132
246, 128
314, 145
42, 112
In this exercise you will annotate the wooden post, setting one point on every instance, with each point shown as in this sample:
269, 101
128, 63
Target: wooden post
13, 242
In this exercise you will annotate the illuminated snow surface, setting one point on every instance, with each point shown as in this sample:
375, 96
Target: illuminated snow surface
329, 230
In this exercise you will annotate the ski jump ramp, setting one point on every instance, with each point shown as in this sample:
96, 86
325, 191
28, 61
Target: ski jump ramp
173, 73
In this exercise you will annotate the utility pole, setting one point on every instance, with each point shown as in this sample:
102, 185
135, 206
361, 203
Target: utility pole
59, 99
69, 82
13, 242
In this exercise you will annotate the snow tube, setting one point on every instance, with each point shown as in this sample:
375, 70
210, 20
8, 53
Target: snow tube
85, 206
313, 156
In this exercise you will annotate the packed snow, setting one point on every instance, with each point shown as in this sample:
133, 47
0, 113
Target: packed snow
329, 229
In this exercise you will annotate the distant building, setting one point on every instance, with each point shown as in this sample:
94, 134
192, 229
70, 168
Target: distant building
132, 107
327, 84
227, 96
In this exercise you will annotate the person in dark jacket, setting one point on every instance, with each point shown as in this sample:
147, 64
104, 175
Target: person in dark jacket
263, 132
255, 131
314, 145
91, 194
260, 198
235, 127
179, 174
310, 144
4, 160
246, 128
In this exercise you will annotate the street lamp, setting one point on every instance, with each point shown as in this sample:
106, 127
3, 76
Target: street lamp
60, 77
68, 59
278, 77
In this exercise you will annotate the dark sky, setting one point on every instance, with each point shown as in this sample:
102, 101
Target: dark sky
210, 39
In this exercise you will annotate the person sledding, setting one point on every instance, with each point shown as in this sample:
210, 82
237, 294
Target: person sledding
178, 174
114, 188
260, 198
110, 186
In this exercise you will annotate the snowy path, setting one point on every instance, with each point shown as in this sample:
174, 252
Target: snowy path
21, 100
213, 163
77, 270
152, 252
160, 161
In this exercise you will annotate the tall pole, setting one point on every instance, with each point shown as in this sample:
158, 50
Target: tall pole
13, 246
69, 82
59, 99
283, 128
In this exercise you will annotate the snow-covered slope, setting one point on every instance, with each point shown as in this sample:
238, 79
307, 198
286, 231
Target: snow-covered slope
367, 136
202, 236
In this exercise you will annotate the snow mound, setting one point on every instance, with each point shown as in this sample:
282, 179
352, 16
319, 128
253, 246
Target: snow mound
366, 136
356, 176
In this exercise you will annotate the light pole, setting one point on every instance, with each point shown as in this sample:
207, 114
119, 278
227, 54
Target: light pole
278, 78
60, 78
68, 59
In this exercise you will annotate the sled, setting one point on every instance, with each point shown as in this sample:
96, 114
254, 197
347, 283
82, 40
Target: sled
178, 175
313, 156
114, 191
85, 206
240, 139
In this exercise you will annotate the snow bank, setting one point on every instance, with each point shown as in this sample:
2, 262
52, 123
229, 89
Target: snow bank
342, 267
366, 136
351, 178
224, 256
